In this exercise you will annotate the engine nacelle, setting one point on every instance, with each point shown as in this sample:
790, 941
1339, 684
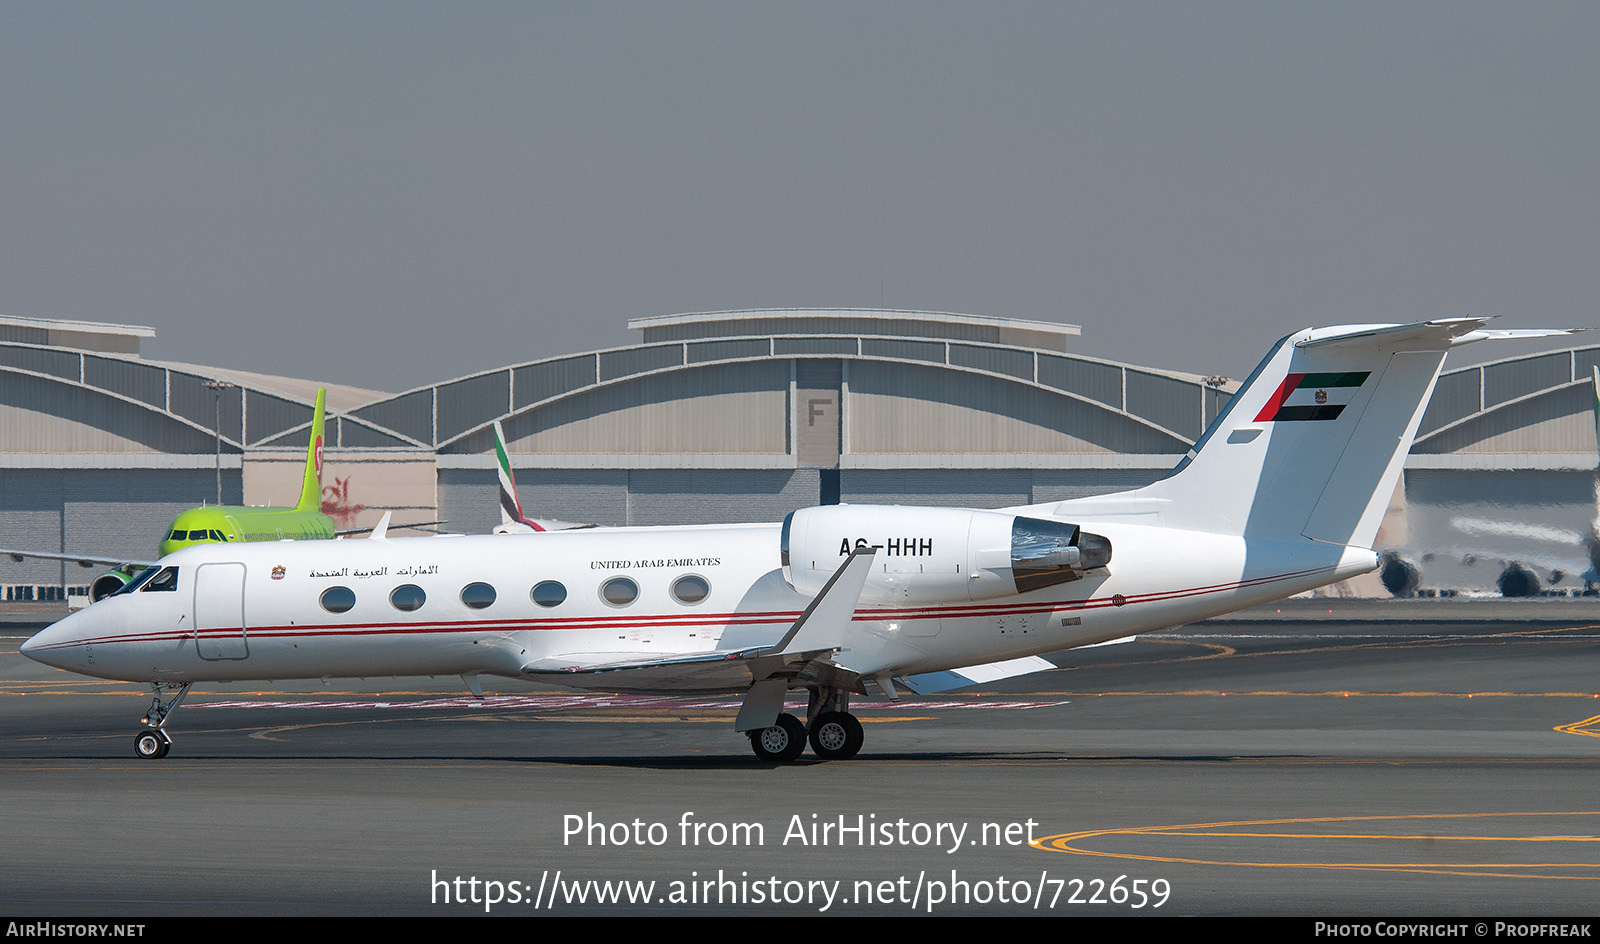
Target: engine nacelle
937, 555
108, 583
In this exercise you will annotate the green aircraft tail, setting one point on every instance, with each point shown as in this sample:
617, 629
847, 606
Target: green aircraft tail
311, 489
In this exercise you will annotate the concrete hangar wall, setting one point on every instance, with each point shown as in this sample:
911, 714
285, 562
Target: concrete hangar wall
724, 416
749, 415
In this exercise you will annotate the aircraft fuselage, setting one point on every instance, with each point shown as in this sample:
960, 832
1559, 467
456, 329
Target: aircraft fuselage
508, 604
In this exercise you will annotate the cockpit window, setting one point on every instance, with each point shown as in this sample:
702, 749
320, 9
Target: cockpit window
166, 580
138, 581
179, 536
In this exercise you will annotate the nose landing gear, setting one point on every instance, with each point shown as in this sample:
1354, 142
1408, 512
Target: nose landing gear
153, 742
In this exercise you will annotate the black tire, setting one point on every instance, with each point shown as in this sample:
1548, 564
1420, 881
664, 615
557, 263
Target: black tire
836, 735
781, 743
151, 744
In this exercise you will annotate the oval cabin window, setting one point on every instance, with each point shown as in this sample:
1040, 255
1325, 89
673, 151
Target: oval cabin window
338, 599
549, 593
407, 598
690, 589
619, 591
477, 595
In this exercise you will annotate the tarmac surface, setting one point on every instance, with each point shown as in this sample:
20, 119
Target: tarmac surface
1424, 758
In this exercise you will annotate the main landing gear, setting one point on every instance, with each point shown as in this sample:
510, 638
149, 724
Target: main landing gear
153, 742
781, 743
834, 732
836, 735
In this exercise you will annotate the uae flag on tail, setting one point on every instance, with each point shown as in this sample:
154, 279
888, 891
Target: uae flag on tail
1312, 397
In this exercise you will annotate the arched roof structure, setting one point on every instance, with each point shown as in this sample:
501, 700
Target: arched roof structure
718, 360
1531, 411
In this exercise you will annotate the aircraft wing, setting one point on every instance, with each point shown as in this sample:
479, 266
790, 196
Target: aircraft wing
717, 671
930, 683
818, 634
82, 560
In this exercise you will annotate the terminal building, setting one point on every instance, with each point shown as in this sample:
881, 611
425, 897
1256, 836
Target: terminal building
723, 417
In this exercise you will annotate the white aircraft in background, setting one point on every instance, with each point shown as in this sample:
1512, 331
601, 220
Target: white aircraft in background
1522, 549
1282, 494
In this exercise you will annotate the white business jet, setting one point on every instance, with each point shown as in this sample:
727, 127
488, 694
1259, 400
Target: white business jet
1282, 494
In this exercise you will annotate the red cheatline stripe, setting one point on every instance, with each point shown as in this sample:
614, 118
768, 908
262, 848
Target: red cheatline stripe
386, 629
1283, 391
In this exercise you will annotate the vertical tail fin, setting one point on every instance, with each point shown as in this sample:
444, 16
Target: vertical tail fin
1313, 445
510, 507
311, 485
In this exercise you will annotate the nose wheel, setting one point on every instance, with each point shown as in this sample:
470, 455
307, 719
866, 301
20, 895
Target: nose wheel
152, 743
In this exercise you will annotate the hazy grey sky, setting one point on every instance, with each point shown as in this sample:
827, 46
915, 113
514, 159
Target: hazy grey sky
388, 194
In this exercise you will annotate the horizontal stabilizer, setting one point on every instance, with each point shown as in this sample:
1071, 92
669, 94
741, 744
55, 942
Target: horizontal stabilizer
931, 683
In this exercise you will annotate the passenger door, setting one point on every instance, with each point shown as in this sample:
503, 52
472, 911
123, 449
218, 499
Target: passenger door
219, 612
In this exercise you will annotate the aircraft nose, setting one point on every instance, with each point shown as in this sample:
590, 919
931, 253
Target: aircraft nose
55, 645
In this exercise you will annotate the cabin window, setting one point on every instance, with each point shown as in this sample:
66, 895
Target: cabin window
549, 593
690, 589
477, 595
338, 599
166, 580
407, 598
619, 591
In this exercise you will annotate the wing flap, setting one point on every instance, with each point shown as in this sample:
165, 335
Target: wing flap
719, 670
